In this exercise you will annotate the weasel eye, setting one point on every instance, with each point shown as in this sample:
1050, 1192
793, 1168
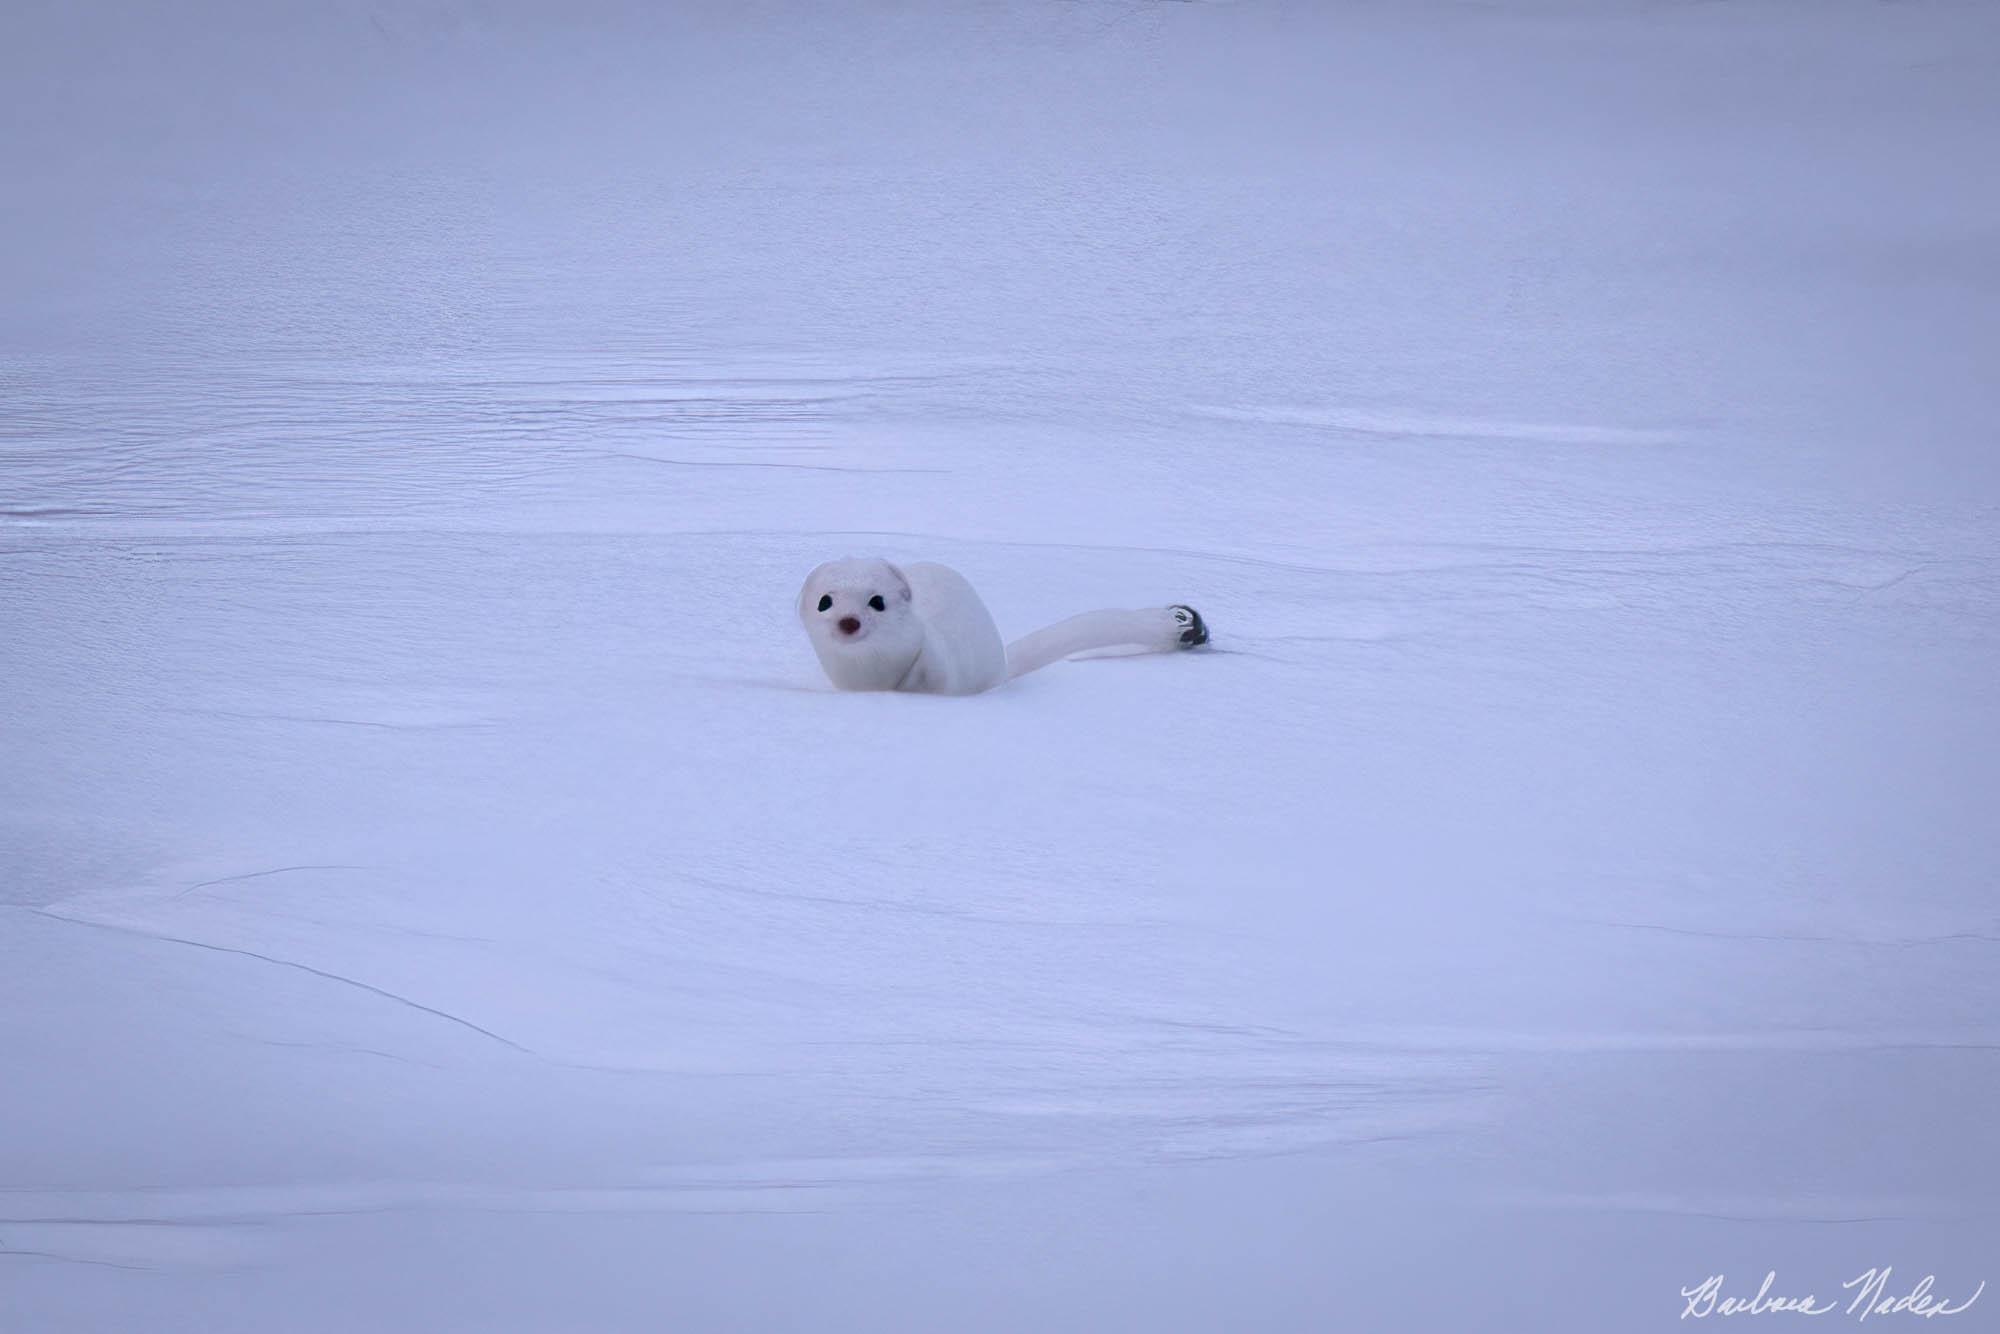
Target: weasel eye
877, 603
825, 601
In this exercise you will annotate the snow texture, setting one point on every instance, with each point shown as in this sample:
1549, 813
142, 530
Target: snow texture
439, 891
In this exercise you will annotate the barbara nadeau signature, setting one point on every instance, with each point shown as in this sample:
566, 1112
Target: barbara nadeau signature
1870, 1289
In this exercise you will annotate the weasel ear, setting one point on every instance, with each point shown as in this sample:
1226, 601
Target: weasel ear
902, 580
806, 588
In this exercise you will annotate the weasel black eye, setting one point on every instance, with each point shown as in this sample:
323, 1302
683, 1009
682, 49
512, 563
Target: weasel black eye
825, 601
877, 603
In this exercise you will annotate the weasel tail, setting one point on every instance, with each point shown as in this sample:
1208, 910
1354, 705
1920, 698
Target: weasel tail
1154, 629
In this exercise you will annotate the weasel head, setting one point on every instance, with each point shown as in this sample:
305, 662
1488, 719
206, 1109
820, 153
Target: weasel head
859, 617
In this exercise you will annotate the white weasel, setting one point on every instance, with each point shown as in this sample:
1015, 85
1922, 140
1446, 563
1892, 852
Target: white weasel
921, 627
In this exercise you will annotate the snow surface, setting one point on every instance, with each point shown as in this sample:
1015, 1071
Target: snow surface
437, 891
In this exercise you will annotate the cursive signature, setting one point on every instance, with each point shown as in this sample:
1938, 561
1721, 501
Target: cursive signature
1870, 1289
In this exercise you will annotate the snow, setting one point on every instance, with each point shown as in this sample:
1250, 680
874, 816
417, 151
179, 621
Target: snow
438, 891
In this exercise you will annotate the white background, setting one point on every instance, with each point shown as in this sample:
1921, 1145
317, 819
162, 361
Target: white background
441, 893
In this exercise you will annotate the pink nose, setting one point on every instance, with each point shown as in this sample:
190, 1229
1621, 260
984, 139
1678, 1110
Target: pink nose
848, 625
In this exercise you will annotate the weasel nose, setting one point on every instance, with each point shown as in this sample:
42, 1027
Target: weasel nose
848, 625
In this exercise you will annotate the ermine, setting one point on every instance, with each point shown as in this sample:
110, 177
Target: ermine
921, 627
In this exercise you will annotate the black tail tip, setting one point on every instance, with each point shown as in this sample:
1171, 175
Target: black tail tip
1194, 631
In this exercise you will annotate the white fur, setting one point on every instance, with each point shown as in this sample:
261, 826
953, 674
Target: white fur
934, 635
